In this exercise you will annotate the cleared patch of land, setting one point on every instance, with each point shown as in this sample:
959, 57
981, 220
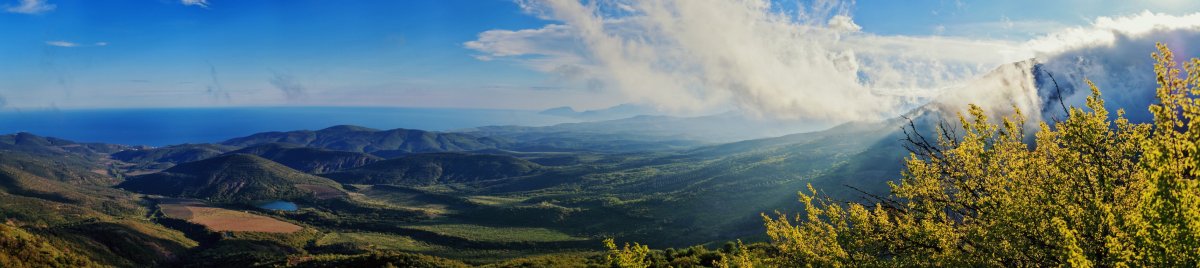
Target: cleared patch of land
413, 199
222, 220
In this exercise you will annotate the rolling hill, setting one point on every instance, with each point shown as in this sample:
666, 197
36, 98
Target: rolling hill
232, 178
438, 168
64, 206
383, 143
174, 154
310, 160
29, 142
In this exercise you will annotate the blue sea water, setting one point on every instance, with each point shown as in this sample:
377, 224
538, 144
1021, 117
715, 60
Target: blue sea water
167, 126
279, 205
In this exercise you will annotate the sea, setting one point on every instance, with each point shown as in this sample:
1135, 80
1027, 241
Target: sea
168, 126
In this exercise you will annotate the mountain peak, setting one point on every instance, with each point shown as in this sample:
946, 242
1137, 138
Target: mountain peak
343, 128
624, 110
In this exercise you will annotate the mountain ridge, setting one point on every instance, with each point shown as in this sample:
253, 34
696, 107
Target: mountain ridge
383, 143
438, 168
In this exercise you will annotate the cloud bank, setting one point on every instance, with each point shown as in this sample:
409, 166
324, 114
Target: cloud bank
699, 55
693, 55
1113, 52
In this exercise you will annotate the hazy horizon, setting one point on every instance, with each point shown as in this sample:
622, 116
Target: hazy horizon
170, 126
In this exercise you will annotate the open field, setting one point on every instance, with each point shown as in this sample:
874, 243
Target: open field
219, 219
413, 199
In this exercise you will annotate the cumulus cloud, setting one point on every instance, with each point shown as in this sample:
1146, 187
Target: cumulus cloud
553, 40
694, 55
31, 7
288, 85
843, 23
199, 3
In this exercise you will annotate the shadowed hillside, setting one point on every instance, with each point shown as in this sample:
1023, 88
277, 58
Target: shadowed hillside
438, 168
173, 154
29, 142
311, 160
384, 143
234, 177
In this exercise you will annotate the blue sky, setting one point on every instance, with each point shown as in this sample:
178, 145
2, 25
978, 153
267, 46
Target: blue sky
191, 53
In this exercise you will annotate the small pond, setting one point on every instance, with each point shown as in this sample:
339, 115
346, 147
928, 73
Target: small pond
279, 205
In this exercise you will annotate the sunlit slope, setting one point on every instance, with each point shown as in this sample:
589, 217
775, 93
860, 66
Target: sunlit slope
73, 210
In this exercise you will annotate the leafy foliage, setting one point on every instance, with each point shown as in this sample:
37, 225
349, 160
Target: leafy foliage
636, 256
395, 259
1092, 191
19, 248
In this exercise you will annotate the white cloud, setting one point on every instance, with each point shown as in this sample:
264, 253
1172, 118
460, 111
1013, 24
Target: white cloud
1113, 52
699, 55
199, 3
692, 56
61, 44
547, 40
626, 8
1106, 31
843, 23
31, 7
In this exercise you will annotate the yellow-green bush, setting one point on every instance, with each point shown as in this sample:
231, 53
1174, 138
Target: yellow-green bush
1093, 191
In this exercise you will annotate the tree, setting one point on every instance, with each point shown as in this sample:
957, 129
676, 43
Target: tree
1092, 191
636, 256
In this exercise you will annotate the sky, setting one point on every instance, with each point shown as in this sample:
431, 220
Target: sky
807, 59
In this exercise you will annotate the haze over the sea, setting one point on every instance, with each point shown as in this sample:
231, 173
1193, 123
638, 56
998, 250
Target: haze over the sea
167, 126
